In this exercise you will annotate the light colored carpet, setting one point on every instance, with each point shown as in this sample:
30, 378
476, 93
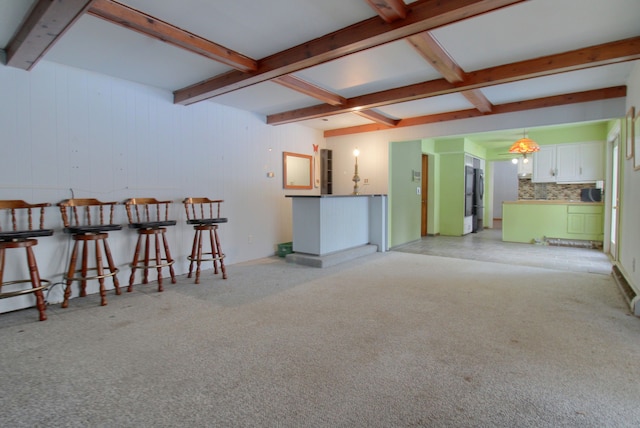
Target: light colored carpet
392, 340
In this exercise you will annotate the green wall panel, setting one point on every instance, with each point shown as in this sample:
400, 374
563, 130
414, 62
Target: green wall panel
404, 201
452, 194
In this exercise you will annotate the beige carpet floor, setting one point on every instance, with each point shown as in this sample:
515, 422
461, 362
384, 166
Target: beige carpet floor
391, 340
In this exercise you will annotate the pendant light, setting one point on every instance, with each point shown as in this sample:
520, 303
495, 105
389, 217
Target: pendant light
524, 146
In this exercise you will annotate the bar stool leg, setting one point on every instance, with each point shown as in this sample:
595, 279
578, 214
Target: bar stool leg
136, 256
198, 255
212, 243
112, 266
85, 268
35, 283
158, 260
100, 270
194, 252
220, 253
70, 273
167, 253
145, 279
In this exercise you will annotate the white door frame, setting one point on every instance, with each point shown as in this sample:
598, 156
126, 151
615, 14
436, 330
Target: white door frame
611, 201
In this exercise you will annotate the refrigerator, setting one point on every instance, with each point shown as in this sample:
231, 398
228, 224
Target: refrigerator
478, 200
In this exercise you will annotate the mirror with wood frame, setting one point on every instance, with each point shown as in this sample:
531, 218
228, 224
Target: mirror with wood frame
297, 171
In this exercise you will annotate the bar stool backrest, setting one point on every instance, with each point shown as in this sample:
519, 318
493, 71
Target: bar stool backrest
148, 212
19, 219
88, 212
202, 208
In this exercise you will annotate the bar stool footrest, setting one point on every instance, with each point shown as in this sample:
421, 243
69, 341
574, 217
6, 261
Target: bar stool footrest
88, 278
7, 294
154, 266
209, 259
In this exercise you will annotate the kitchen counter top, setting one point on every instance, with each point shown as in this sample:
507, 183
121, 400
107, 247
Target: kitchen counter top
335, 196
551, 202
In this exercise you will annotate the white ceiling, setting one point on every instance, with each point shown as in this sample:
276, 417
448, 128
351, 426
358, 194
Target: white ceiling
257, 29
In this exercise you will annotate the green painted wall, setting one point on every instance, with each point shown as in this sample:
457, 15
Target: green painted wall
452, 195
404, 201
434, 187
474, 149
575, 134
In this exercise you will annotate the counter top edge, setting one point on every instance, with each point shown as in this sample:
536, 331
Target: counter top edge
550, 202
334, 196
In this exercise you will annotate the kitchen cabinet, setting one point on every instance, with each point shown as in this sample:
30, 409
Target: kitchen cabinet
584, 220
525, 169
544, 165
533, 220
592, 161
569, 163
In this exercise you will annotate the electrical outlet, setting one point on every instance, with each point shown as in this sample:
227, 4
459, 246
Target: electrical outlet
366, 181
250, 239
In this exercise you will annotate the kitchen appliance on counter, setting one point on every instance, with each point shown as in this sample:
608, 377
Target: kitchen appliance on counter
591, 194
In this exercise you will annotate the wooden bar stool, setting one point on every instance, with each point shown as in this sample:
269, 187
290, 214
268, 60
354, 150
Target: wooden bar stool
151, 218
200, 213
22, 234
84, 220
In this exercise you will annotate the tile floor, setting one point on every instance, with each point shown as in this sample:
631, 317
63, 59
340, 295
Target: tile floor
488, 246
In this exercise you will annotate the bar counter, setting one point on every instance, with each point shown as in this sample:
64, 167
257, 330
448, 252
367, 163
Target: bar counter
325, 224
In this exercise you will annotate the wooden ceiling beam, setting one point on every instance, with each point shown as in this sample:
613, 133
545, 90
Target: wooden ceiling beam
431, 50
150, 26
478, 100
559, 100
302, 86
593, 56
377, 117
328, 97
46, 23
424, 15
389, 10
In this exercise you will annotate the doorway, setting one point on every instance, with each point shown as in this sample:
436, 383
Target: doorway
615, 196
424, 195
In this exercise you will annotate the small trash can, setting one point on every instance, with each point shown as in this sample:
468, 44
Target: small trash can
284, 249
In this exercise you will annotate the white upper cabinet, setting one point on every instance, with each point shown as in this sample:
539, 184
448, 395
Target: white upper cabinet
525, 169
592, 161
569, 163
544, 165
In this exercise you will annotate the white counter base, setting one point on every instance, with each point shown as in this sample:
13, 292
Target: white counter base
327, 224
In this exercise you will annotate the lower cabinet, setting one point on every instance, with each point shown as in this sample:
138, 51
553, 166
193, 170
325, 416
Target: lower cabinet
585, 221
531, 221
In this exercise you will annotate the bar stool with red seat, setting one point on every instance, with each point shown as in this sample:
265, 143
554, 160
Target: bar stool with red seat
203, 217
89, 220
21, 234
151, 218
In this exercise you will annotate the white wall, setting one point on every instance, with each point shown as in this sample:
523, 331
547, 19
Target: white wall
505, 185
629, 242
68, 132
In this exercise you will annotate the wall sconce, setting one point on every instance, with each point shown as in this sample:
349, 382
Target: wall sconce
356, 177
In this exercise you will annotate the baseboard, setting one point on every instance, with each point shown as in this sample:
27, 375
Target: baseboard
626, 290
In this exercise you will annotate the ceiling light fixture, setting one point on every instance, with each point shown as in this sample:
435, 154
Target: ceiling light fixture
524, 146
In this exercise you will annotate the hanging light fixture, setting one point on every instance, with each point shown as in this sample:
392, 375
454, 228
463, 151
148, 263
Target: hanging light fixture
524, 146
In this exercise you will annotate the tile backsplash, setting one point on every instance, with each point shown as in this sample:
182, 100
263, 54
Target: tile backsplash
551, 191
